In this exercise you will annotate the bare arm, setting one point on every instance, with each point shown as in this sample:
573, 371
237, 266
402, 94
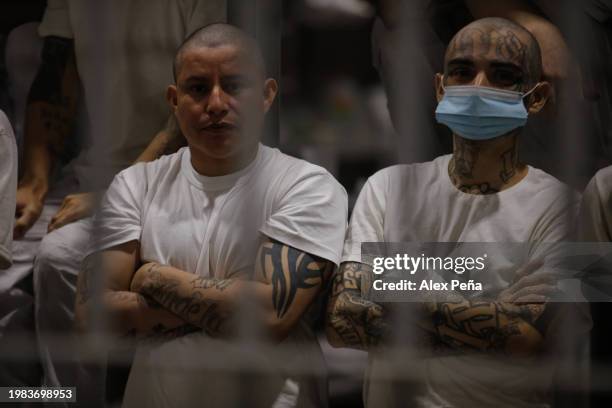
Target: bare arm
50, 114
103, 287
353, 321
512, 325
286, 282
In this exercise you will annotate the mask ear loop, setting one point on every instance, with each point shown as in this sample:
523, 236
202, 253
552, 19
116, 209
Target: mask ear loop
531, 90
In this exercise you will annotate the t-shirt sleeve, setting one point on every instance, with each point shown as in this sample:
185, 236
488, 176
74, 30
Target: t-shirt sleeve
56, 20
118, 219
311, 216
8, 188
367, 220
202, 13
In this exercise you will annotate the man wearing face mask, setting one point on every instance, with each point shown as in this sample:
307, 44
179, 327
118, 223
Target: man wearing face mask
481, 193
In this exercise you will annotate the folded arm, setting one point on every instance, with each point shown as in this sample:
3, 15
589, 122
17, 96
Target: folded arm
285, 284
103, 289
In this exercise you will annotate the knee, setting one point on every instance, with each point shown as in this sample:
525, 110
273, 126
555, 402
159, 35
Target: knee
58, 253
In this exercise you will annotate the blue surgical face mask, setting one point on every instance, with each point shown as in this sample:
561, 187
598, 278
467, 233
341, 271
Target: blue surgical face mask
481, 113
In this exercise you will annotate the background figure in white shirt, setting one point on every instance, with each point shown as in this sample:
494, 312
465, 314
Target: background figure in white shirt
222, 232
481, 352
596, 208
8, 184
112, 58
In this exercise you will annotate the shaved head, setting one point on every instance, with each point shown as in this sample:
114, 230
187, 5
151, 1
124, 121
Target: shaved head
218, 35
499, 39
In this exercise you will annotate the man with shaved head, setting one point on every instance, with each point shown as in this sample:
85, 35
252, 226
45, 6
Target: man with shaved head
477, 349
225, 234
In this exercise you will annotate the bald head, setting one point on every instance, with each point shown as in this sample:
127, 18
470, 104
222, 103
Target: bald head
218, 35
500, 40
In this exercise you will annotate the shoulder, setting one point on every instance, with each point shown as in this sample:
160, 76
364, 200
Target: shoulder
600, 186
603, 179
410, 174
152, 173
288, 172
542, 183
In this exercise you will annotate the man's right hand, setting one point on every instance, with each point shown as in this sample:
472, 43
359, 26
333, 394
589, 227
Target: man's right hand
28, 209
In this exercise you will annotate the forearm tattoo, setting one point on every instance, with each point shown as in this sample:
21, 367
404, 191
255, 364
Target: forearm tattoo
288, 269
56, 89
191, 306
357, 322
482, 325
85, 280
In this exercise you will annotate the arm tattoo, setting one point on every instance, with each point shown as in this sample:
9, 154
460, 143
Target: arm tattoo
84, 283
289, 269
57, 53
193, 307
55, 91
482, 325
356, 321
160, 333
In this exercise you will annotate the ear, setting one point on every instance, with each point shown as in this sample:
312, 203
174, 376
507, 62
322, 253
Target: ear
439, 82
172, 97
270, 90
538, 98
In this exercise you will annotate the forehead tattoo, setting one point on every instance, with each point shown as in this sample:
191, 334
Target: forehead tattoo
501, 43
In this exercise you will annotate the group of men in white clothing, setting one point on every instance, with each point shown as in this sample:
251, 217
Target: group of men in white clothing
182, 246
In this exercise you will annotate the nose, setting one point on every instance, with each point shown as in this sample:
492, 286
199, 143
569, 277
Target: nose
217, 106
481, 79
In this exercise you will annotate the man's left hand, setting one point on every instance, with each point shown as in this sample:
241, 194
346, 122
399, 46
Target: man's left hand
74, 207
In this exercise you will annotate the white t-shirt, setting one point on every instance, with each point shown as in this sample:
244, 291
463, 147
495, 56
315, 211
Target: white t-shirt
212, 227
8, 188
419, 203
596, 208
124, 53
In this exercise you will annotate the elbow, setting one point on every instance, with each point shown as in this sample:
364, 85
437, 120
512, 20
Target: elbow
278, 329
332, 337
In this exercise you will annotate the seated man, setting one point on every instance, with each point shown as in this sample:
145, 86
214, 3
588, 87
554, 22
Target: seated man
8, 183
480, 193
184, 241
596, 208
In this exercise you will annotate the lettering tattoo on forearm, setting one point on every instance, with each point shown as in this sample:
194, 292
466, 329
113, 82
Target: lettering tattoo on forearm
192, 307
288, 270
482, 325
358, 322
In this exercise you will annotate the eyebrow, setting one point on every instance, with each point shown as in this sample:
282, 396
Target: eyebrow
493, 63
460, 61
506, 64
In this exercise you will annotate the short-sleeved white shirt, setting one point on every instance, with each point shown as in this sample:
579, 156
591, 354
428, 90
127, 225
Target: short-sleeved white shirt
8, 188
419, 203
596, 208
213, 226
124, 53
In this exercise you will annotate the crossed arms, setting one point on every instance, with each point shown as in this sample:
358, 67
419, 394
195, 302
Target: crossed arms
513, 324
153, 300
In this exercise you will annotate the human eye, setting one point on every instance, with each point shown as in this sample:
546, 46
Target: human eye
461, 73
507, 77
